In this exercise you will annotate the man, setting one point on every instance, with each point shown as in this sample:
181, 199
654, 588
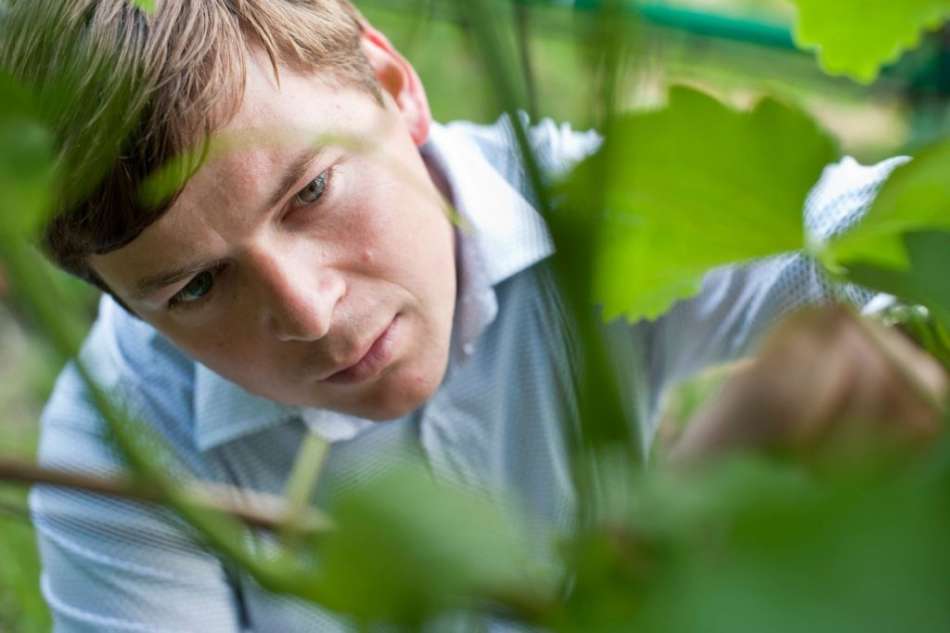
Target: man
307, 279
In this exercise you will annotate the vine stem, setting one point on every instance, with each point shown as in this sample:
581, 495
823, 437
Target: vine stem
255, 509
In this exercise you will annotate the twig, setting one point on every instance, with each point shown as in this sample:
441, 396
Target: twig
255, 509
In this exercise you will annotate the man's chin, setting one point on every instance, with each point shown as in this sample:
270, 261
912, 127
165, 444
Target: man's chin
392, 397
398, 397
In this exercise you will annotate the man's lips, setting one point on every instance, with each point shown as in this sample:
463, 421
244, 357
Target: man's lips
372, 360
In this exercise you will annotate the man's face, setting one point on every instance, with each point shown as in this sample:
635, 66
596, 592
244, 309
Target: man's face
312, 273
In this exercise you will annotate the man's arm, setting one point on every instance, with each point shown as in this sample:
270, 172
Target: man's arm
114, 565
818, 371
109, 564
739, 304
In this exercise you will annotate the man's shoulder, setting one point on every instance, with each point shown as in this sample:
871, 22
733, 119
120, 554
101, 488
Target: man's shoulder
133, 363
844, 193
126, 353
557, 146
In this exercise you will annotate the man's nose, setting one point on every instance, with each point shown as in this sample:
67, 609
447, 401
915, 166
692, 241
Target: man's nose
299, 296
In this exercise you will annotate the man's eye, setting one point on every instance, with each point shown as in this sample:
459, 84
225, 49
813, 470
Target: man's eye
198, 288
313, 191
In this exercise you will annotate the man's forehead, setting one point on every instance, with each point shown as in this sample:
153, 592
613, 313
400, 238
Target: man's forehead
239, 169
251, 163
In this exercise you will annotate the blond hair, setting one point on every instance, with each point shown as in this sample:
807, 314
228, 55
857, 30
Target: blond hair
126, 91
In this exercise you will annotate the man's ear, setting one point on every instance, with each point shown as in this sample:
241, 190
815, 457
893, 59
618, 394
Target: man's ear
399, 80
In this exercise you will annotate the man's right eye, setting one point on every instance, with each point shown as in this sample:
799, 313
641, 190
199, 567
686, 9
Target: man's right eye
197, 289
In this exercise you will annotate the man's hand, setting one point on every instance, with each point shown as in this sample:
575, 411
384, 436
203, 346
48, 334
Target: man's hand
824, 376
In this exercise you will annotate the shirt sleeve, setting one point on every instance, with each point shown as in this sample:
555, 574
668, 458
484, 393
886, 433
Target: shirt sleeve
111, 565
738, 304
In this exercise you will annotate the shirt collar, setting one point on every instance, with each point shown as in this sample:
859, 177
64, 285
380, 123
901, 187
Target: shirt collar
499, 235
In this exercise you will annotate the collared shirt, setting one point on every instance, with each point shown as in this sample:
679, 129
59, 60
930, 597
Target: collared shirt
495, 422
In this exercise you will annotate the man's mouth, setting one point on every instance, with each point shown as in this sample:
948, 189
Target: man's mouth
374, 358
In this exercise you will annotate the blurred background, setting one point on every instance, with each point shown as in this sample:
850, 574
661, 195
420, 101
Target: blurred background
735, 49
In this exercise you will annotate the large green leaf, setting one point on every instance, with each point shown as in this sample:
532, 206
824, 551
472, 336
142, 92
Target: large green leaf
916, 197
857, 37
694, 186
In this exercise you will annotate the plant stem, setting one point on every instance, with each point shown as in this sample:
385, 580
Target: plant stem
255, 509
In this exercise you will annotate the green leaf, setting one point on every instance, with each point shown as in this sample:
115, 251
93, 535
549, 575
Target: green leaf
925, 282
145, 5
857, 37
915, 197
836, 562
692, 187
26, 164
408, 547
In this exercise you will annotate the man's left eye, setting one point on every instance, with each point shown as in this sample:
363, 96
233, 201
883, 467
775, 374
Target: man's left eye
313, 191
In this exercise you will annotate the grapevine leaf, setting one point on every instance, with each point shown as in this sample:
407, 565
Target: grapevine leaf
915, 197
925, 282
857, 37
692, 187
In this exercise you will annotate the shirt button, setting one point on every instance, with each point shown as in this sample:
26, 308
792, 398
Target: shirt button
468, 348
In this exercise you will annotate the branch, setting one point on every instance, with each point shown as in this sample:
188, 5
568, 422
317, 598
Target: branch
255, 509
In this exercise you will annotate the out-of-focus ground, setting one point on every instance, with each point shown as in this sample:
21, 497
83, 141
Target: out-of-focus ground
870, 122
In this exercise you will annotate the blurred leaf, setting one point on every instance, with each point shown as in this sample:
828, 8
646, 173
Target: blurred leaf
929, 332
22, 608
839, 554
146, 5
915, 197
408, 547
26, 163
691, 187
857, 37
925, 282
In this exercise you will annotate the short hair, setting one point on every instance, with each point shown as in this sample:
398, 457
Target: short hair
127, 90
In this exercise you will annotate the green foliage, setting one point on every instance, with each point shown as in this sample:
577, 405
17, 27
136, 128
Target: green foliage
743, 545
691, 187
915, 197
924, 281
763, 545
753, 544
26, 159
930, 333
857, 37
407, 547
22, 609
902, 245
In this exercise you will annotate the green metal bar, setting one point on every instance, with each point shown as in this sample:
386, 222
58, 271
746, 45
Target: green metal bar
657, 13
705, 24
712, 25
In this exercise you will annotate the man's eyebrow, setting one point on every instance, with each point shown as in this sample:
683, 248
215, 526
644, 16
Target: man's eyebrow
147, 285
297, 169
